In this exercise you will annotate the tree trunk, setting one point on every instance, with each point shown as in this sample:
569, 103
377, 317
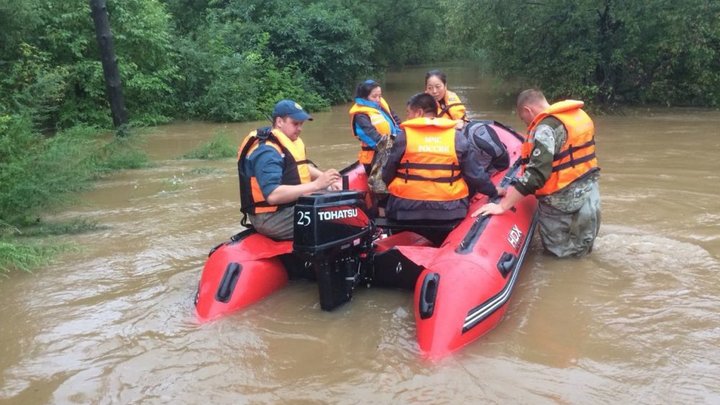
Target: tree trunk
113, 84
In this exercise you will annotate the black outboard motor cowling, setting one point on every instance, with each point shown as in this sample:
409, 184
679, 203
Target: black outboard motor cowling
334, 233
327, 220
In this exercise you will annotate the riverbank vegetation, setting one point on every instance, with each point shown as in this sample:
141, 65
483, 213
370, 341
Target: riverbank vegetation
39, 173
232, 60
607, 52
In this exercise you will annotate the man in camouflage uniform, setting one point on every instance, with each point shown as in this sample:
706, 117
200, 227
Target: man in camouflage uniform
561, 170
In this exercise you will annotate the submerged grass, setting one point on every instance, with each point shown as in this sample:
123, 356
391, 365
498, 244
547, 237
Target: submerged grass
120, 154
218, 147
71, 227
204, 171
26, 256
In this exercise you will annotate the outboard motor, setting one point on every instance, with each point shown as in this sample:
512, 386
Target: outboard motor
333, 232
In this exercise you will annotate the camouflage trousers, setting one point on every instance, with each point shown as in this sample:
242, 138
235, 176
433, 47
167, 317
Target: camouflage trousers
569, 221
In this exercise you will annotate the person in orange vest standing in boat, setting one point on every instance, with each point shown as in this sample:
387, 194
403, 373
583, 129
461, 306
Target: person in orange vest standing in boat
371, 120
431, 171
274, 172
449, 104
561, 169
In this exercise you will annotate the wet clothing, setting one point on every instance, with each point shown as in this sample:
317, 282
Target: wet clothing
431, 172
268, 159
370, 122
569, 216
451, 107
569, 220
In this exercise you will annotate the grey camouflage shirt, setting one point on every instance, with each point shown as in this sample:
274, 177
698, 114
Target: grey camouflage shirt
550, 135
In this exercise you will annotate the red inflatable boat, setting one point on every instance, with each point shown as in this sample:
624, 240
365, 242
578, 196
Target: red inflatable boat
461, 285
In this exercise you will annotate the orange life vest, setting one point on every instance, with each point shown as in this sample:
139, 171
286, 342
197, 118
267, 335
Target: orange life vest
576, 158
429, 169
296, 170
378, 120
454, 108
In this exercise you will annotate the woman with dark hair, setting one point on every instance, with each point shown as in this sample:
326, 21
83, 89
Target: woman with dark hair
448, 103
371, 119
431, 170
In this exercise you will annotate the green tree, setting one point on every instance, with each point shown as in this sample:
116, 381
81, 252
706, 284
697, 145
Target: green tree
327, 44
408, 31
229, 74
609, 51
50, 62
249, 54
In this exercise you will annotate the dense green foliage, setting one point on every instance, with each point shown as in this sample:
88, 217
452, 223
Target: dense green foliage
659, 51
406, 32
36, 173
240, 56
210, 59
231, 60
49, 61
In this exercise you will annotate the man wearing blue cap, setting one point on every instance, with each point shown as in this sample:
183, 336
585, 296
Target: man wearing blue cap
274, 172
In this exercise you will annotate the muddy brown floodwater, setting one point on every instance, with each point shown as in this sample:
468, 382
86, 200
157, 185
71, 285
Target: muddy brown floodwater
635, 322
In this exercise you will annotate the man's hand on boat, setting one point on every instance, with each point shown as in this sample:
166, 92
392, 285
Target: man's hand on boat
489, 209
510, 197
329, 180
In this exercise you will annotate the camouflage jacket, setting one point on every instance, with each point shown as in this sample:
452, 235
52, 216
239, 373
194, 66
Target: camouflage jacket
550, 135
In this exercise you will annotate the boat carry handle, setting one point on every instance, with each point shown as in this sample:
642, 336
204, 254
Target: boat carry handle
506, 263
428, 294
228, 282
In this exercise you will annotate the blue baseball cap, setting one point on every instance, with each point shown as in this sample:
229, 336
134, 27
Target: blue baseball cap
289, 108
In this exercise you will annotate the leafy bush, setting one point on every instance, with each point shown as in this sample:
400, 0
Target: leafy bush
37, 173
659, 51
51, 64
408, 32
230, 74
